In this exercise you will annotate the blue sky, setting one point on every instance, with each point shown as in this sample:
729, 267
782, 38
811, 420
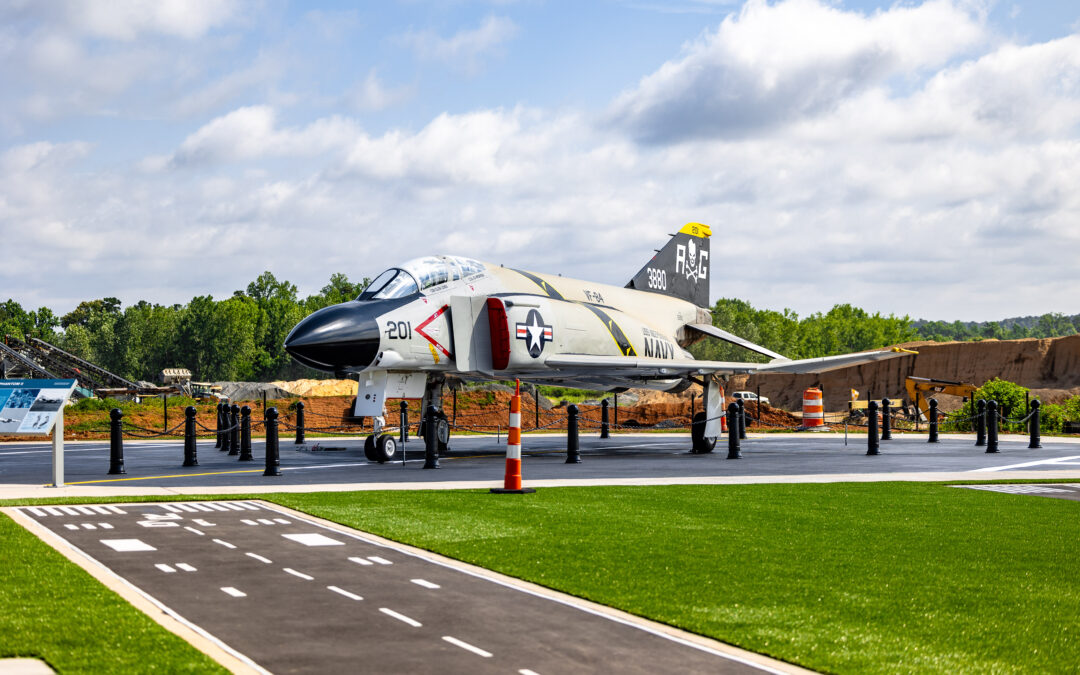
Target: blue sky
917, 157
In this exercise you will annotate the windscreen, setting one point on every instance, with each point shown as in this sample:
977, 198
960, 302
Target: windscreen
393, 283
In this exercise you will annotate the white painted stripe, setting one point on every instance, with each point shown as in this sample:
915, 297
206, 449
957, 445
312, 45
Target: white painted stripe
400, 617
313, 539
467, 646
266, 521
526, 671
342, 591
37, 512
289, 570
216, 506
282, 521
187, 507
116, 509
100, 509
260, 558
69, 511
170, 507
424, 582
85, 510
53, 511
361, 561
88, 526
186, 567
813, 415
224, 543
515, 420
513, 451
127, 545
249, 506
71, 526
105, 526
377, 559
248, 522
198, 532
1026, 464
233, 592
202, 507
167, 569
231, 506
204, 523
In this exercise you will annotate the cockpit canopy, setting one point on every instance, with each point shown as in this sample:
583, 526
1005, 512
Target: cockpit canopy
418, 275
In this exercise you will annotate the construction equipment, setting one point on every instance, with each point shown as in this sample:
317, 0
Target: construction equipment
204, 391
920, 390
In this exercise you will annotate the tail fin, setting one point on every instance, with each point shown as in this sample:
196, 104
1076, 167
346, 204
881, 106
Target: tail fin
680, 269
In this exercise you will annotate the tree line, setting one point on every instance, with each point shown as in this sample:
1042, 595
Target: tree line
242, 337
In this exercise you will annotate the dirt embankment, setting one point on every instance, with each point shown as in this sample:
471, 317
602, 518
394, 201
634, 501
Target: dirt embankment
1049, 367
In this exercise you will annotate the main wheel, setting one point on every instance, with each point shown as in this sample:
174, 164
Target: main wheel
385, 448
701, 444
442, 433
369, 449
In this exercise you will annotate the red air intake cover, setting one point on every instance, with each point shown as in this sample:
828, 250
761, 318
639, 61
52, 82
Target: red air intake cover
500, 334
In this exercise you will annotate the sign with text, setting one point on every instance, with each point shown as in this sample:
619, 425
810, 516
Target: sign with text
31, 406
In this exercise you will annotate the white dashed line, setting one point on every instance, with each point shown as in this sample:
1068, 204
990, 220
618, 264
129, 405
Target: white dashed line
266, 521
170, 507
37, 512
85, 510
293, 572
259, 558
402, 618
342, 591
377, 559
249, 507
224, 543
100, 509
202, 507
127, 545
69, 511
234, 592
167, 569
526, 671
424, 582
313, 539
89, 526
186, 567
198, 532
1024, 465
282, 521
361, 561
71, 526
231, 506
188, 507
467, 646
248, 522
53, 511
105, 526
204, 523
216, 506
116, 510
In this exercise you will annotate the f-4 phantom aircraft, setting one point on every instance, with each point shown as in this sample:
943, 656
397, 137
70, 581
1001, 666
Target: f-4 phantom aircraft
444, 317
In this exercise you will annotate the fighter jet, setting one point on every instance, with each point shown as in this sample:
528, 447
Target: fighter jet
440, 318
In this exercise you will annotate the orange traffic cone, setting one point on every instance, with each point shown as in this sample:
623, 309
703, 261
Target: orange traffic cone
512, 479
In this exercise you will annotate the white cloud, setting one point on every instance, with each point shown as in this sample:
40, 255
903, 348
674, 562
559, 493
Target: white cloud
373, 95
127, 19
465, 48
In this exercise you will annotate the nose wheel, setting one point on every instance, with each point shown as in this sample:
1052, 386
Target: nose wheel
381, 448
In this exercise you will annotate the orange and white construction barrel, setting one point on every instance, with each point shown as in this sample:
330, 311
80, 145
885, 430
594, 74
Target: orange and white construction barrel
512, 477
813, 408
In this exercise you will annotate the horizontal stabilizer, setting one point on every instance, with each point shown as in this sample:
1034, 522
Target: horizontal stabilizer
827, 363
713, 331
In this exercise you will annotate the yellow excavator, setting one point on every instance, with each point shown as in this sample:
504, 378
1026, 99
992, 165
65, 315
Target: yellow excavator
921, 389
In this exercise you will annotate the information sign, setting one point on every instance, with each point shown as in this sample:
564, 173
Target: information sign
31, 407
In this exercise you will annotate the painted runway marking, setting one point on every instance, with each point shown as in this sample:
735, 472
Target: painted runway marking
204, 523
170, 507
249, 506
187, 507
234, 592
224, 543
425, 583
361, 561
400, 617
71, 526
313, 539
266, 521
37, 512
248, 522
53, 511
526, 671
167, 569
105, 526
259, 558
232, 506
467, 646
1041, 462
289, 570
101, 509
69, 511
282, 521
198, 532
1015, 489
377, 559
85, 510
116, 510
186, 567
217, 507
127, 545
89, 526
342, 591
202, 507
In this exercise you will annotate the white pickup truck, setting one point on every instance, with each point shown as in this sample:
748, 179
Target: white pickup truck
750, 396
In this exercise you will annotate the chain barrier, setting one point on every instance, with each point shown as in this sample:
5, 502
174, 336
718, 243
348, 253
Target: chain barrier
150, 433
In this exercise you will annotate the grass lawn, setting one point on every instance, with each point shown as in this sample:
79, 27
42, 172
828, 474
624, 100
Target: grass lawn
53, 610
850, 578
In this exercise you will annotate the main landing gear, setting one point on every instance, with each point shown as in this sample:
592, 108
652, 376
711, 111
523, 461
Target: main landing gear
700, 443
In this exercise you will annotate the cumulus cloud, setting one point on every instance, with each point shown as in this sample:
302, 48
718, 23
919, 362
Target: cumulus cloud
372, 94
770, 64
126, 20
463, 49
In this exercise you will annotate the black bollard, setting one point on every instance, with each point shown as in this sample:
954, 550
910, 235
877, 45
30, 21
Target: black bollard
886, 419
299, 423
605, 429
245, 435
1035, 425
217, 443
272, 464
189, 437
933, 421
226, 435
742, 418
980, 423
872, 443
733, 432
572, 454
234, 429
992, 427
431, 443
116, 441
404, 424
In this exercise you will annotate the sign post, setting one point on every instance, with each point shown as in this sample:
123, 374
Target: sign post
36, 408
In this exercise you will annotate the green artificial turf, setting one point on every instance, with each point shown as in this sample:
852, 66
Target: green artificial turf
53, 610
850, 578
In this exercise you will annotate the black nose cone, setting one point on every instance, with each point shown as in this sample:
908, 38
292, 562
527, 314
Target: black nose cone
336, 338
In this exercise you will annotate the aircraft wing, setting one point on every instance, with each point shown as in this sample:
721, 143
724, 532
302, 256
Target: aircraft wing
713, 331
632, 366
